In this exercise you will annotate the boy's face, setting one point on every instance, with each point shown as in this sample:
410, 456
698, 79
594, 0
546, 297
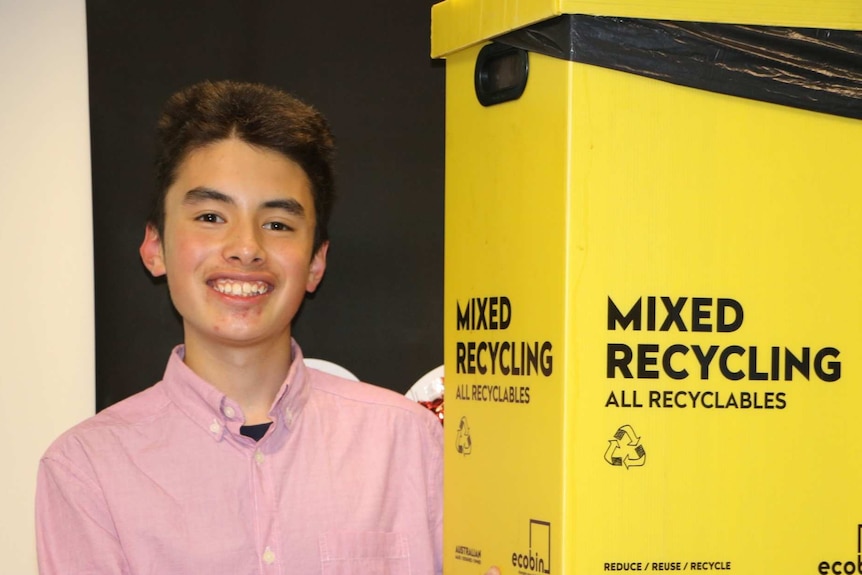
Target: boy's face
237, 244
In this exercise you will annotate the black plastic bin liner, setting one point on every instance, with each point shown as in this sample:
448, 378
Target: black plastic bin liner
813, 69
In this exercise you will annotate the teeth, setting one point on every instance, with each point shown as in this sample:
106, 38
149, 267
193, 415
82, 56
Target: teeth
238, 288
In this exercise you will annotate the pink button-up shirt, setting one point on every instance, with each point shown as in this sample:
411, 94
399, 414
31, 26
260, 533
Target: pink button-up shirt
348, 479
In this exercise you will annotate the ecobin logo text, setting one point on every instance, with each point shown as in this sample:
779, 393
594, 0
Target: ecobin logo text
845, 567
537, 558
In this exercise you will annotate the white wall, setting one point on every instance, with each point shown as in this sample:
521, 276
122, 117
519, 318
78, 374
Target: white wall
46, 276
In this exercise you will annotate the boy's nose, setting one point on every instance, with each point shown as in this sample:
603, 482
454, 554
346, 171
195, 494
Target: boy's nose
244, 246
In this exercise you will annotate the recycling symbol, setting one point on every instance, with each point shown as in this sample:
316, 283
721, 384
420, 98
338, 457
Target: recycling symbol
463, 442
625, 448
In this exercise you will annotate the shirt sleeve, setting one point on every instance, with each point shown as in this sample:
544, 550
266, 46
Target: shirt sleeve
74, 531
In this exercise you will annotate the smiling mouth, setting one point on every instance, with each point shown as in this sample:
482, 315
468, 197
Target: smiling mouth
240, 288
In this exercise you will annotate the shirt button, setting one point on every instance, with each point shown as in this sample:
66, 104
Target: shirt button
228, 411
258, 456
288, 416
268, 556
215, 427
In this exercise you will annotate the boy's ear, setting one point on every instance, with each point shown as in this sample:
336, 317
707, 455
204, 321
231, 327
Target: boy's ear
317, 267
152, 253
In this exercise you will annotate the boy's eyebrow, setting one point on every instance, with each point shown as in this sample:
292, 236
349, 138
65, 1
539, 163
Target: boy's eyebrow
202, 193
290, 205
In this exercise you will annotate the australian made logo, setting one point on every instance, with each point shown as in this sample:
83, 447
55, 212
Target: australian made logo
468, 554
846, 566
625, 448
537, 558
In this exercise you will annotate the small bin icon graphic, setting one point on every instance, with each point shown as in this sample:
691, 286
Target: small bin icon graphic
653, 327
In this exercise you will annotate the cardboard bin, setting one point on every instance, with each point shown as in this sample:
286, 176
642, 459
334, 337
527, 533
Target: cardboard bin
653, 327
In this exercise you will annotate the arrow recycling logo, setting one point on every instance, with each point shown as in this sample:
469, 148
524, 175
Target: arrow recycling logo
464, 443
625, 449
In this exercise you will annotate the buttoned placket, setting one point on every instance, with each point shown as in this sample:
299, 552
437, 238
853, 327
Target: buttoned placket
266, 516
266, 505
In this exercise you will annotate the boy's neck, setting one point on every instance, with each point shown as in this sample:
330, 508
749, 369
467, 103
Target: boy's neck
251, 376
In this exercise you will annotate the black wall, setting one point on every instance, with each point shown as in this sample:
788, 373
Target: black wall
365, 65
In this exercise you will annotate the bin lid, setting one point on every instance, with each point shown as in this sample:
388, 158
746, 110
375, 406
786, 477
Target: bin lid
457, 24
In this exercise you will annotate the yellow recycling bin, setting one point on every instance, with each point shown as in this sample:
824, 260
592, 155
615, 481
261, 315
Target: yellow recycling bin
653, 277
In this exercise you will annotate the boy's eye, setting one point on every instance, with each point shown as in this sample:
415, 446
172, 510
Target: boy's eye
277, 226
210, 218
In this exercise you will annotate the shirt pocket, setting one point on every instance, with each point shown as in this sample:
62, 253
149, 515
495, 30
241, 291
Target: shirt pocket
364, 553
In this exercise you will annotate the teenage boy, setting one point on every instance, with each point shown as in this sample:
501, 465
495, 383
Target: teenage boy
242, 460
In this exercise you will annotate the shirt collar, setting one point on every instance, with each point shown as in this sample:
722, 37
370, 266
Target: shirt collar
216, 413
